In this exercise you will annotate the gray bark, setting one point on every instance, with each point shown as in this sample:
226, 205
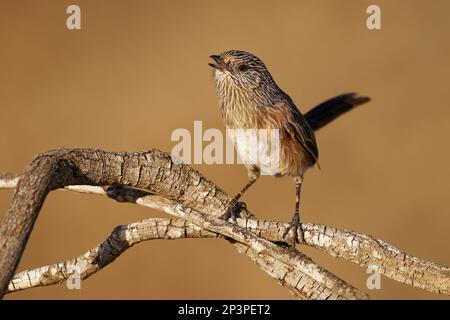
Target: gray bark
303, 282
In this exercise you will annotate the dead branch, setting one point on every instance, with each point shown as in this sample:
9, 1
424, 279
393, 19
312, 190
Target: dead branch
155, 172
120, 239
152, 170
359, 248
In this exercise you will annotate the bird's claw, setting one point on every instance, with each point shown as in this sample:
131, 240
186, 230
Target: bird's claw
297, 237
234, 210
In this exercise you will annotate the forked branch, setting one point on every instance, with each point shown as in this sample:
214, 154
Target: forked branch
185, 194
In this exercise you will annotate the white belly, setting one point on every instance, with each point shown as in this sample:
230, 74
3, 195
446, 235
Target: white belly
258, 147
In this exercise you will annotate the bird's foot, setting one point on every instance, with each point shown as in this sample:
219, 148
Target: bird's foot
297, 236
234, 210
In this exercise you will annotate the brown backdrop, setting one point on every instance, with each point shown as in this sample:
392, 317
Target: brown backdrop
138, 70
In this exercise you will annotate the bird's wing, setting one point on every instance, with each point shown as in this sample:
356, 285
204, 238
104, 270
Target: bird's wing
297, 127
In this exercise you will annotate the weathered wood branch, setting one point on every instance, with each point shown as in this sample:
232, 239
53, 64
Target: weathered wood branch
95, 259
151, 170
359, 248
155, 172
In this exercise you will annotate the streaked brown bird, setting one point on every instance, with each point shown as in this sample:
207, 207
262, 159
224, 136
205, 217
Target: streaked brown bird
251, 100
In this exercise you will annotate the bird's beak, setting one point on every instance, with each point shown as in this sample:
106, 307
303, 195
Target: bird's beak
219, 63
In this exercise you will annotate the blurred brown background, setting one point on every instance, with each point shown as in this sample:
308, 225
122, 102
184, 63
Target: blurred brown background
138, 70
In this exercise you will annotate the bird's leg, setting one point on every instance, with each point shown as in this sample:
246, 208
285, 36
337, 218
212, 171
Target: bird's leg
235, 206
295, 224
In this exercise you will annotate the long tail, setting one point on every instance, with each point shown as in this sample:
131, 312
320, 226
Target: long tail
329, 110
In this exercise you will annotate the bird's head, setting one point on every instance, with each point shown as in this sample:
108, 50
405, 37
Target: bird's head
239, 70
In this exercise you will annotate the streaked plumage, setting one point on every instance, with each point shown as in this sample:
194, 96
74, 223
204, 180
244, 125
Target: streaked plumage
250, 99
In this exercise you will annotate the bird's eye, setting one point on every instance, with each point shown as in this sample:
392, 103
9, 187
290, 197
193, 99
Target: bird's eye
243, 67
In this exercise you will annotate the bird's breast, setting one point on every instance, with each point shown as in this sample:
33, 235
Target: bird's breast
244, 115
261, 140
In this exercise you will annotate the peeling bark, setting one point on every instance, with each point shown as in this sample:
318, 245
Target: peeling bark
151, 170
258, 239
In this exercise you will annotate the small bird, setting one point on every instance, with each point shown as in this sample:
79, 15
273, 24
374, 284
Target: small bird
251, 100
